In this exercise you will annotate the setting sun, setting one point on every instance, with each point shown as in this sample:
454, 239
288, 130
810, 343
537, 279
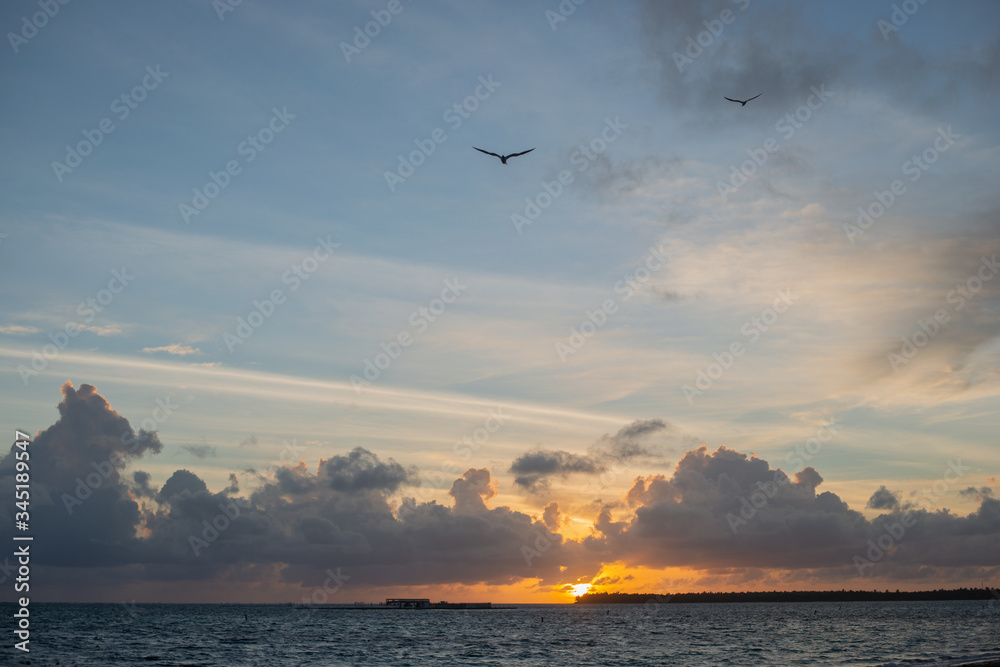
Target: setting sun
580, 589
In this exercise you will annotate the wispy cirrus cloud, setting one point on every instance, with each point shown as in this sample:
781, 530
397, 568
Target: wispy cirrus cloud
174, 348
18, 330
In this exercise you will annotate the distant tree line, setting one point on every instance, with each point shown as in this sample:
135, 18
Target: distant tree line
792, 596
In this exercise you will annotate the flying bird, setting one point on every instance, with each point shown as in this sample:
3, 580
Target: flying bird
744, 102
504, 158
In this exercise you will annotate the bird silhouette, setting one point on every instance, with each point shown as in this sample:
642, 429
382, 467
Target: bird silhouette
504, 158
744, 102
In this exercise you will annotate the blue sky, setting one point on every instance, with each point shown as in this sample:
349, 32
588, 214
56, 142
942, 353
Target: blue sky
640, 223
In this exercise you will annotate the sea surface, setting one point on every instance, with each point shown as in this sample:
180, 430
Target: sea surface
813, 633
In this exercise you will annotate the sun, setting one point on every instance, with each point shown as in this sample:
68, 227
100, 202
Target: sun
580, 589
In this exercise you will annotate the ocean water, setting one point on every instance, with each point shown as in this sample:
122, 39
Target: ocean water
819, 633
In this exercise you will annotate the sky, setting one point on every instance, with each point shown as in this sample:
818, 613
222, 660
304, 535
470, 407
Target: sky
279, 334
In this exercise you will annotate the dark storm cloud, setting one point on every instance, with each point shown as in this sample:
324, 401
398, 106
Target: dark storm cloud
533, 469
182, 481
727, 510
87, 434
628, 443
141, 485
883, 499
472, 490
551, 516
82, 512
361, 470
641, 427
720, 510
290, 529
973, 492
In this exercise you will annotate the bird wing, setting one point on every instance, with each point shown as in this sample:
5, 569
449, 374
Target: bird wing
755, 96
487, 152
732, 100
521, 153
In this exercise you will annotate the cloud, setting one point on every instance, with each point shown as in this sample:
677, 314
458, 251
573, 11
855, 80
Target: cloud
105, 330
200, 451
182, 483
141, 487
533, 469
340, 514
82, 507
472, 490
728, 510
21, 330
977, 494
776, 50
883, 499
17, 330
361, 470
551, 516
781, 50
111, 528
180, 350
626, 443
